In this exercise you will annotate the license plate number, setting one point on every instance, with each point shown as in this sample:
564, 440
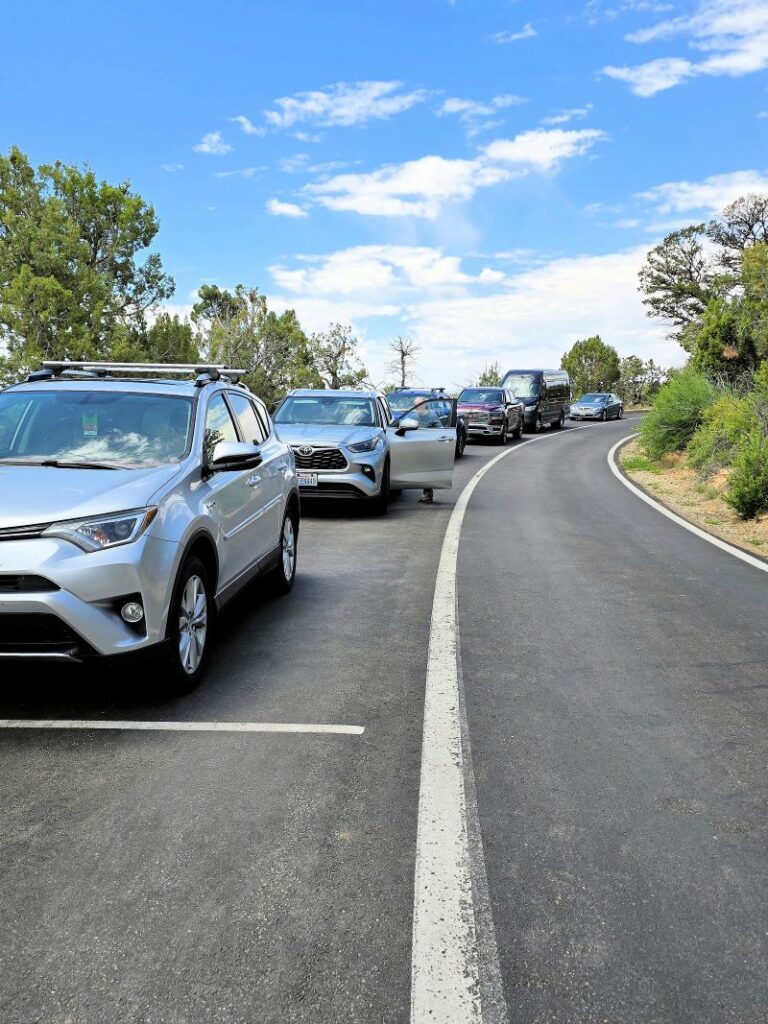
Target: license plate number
307, 479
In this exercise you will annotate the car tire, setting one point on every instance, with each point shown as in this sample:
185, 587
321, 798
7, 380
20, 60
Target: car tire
517, 433
603, 416
189, 630
461, 443
621, 413
560, 423
502, 438
282, 577
380, 503
538, 424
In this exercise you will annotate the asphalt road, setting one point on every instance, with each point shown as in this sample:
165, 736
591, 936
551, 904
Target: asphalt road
615, 670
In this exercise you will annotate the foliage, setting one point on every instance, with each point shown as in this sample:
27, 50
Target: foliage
748, 482
404, 350
717, 343
237, 328
71, 284
592, 365
335, 356
641, 464
638, 381
742, 224
716, 441
677, 412
490, 377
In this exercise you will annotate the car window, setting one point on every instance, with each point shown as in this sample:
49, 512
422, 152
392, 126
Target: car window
219, 425
431, 413
250, 425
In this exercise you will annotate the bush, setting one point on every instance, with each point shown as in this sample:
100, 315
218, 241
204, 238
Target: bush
677, 412
715, 444
748, 483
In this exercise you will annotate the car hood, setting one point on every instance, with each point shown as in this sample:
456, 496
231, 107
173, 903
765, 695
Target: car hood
44, 494
318, 434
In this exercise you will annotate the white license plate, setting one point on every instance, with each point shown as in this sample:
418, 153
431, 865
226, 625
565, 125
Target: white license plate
307, 479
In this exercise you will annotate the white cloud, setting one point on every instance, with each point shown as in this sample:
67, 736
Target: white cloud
421, 188
247, 126
344, 104
280, 209
172, 168
708, 196
526, 32
734, 34
573, 114
213, 144
474, 115
463, 320
241, 172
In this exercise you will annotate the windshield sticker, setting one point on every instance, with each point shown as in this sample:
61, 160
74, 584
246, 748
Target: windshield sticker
90, 424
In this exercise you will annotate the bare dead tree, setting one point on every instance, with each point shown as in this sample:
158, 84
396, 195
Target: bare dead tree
404, 350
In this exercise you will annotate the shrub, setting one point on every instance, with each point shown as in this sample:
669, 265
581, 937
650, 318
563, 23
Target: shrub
677, 411
716, 440
748, 483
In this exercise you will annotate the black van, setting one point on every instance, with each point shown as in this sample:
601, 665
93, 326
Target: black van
546, 394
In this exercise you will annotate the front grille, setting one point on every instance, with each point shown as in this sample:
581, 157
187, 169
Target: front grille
16, 584
23, 532
25, 633
321, 458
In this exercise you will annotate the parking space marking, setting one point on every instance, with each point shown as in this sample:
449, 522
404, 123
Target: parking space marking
63, 723
449, 976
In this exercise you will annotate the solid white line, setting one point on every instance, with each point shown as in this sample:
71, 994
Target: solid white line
445, 964
63, 723
722, 544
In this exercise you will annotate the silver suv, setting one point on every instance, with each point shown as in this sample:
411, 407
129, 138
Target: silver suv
347, 444
132, 510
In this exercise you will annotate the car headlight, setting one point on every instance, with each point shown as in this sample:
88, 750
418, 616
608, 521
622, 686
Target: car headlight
365, 446
104, 531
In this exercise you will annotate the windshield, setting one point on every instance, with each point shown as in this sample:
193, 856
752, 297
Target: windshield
480, 396
116, 429
327, 410
523, 385
592, 399
400, 401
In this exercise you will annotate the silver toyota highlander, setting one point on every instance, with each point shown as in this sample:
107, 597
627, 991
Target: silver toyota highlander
132, 508
346, 444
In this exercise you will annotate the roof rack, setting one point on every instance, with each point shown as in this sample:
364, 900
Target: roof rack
205, 372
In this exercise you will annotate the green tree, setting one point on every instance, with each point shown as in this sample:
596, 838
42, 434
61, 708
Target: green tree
237, 329
592, 365
71, 283
336, 358
717, 341
490, 376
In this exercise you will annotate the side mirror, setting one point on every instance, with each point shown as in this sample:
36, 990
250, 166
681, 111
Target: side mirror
404, 425
231, 455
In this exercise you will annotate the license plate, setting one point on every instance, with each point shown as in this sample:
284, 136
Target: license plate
307, 479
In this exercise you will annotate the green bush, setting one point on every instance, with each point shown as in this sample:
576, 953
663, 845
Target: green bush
677, 412
716, 440
748, 483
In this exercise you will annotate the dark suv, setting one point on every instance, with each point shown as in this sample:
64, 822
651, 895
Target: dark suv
402, 400
491, 412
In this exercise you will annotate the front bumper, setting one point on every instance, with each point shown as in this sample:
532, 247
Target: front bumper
80, 618
484, 429
361, 480
585, 415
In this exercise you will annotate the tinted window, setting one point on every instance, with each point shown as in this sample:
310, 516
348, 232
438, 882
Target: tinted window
483, 396
523, 385
346, 410
218, 425
250, 425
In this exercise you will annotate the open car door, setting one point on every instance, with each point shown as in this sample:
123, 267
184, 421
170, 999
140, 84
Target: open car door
422, 446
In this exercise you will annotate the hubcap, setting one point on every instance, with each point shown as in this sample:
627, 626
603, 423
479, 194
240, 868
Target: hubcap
289, 548
193, 624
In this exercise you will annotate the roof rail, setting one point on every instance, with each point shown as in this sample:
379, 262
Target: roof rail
205, 372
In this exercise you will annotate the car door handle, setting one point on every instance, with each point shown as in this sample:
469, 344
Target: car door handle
253, 481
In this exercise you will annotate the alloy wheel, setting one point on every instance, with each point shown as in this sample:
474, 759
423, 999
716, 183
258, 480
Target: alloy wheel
193, 624
288, 548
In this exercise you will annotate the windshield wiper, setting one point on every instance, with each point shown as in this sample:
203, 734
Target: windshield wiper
58, 464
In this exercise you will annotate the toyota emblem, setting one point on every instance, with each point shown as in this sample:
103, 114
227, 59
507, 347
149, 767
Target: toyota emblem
306, 450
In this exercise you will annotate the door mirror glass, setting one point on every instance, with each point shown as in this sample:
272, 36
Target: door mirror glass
229, 455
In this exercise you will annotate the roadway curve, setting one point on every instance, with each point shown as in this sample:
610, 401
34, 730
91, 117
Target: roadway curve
615, 685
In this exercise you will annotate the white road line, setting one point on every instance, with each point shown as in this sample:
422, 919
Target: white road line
722, 544
445, 962
63, 723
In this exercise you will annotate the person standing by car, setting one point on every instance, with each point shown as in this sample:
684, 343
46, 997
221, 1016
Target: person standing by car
425, 412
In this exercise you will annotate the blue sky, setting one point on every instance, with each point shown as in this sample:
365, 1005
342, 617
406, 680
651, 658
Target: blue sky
484, 175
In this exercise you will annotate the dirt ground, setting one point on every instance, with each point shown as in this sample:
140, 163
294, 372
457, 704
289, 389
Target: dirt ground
676, 485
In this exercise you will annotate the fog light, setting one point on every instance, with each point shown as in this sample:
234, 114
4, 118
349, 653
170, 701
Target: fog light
370, 472
132, 612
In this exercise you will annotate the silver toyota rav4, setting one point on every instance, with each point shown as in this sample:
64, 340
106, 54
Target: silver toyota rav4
347, 444
133, 508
